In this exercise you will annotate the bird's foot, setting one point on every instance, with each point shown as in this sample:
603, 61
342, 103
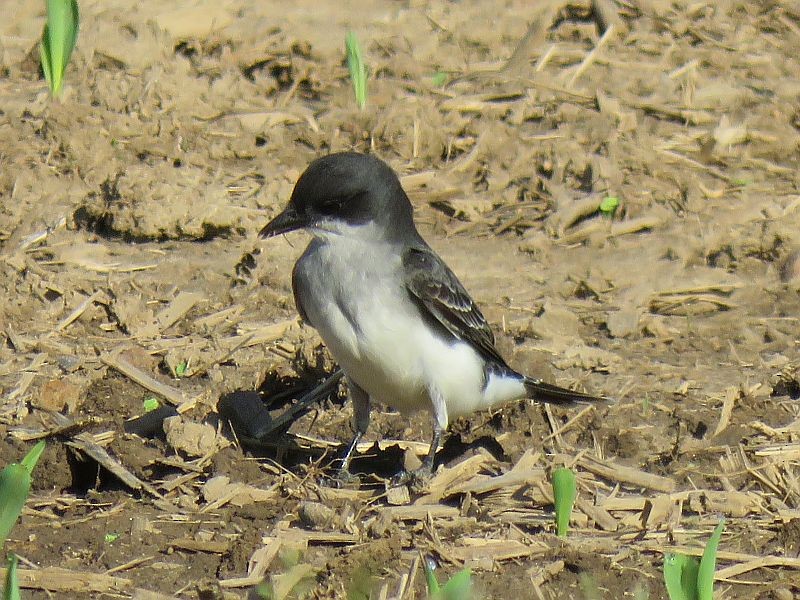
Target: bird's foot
341, 478
417, 479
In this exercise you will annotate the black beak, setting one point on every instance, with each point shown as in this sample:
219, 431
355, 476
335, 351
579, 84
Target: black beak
285, 222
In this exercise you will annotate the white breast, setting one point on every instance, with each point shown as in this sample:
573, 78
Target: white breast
356, 300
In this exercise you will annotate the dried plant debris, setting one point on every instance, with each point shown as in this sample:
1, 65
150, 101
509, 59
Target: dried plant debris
616, 185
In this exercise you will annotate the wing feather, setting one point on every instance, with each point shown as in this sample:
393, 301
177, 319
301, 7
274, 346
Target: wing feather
440, 295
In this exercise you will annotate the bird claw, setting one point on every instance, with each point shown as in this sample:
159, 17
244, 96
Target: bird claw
340, 479
417, 480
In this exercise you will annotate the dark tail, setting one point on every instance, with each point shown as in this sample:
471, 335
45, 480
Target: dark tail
547, 392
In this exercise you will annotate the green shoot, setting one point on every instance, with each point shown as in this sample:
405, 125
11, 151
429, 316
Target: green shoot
589, 587
439, 79
645, 405
564, 494
361, 584
11, 587
609, 206
708, 564
181, 368
58, 40
150, 404
296, 581
680, 576
110, 538
458, 587
15, 483
690, 578
357, 68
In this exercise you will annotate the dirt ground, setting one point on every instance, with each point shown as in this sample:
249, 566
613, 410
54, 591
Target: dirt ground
130, 269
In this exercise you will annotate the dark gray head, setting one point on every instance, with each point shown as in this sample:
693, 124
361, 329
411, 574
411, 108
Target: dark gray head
347, 193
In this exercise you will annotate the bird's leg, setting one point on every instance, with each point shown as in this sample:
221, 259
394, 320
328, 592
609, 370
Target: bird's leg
427, 464
440, 422
439, 426
360, 423
344, 467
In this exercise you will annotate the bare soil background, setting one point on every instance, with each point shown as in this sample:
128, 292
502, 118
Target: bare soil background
128, 219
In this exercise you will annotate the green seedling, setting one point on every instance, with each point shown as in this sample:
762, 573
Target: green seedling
609, 206
439, 79
458, 587
361, 584
150, 404
589, 587
11, 587
110, 538
296, 581
357, 68
181, 369
564, 494
58, 40
15, 483
690, 578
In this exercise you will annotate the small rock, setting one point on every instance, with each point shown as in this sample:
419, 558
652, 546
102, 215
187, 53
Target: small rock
315, 515
790, 269
623, 322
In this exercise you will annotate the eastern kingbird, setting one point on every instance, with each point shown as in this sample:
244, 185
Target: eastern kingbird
391, 312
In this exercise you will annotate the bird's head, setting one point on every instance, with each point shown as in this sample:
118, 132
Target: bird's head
346, 194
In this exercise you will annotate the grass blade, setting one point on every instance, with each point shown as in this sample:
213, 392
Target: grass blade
11, 587
708, 564
15, 482
429, 566
459, 587
357, 68
33, 456
564, 494
680, 576
58, 40
44, 55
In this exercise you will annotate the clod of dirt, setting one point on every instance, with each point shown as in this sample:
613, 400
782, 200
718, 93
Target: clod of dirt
195, 439
59, 395
141, 205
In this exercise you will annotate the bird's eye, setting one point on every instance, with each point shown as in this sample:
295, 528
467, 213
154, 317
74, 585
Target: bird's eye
353, 208
331, 207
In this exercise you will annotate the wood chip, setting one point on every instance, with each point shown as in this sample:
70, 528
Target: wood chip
55, 579
476, 549
169, 393
513, 479
257, 566
194, 545
87, 445
598, 514
414, 512
731, 395
446, 477
78, 311
627, 475
175, 310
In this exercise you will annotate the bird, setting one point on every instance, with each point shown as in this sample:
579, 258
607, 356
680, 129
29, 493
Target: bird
393, 315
